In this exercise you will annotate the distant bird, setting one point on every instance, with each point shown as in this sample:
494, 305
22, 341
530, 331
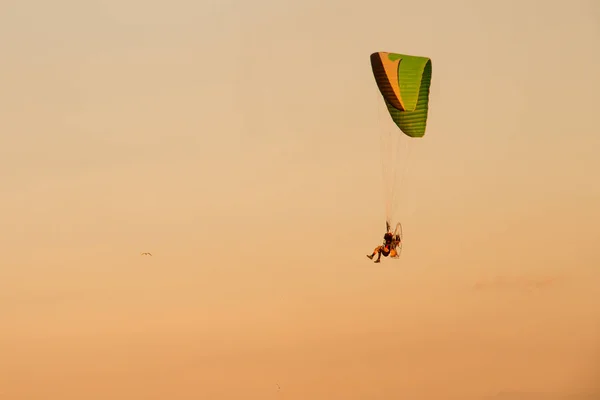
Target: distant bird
147, 254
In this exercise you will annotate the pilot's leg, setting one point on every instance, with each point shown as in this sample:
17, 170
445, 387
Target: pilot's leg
377, 250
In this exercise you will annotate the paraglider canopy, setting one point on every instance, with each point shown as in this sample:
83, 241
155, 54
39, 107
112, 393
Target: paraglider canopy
404, 83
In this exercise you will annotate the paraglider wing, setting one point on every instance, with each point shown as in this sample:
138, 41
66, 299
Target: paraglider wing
404, 83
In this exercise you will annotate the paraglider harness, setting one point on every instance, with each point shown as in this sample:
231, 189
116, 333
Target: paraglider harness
387, 244
391, 240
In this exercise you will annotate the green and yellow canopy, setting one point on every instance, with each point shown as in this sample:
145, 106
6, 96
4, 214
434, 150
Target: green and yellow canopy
404, 82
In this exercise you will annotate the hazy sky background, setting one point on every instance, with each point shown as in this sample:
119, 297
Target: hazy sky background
239, 143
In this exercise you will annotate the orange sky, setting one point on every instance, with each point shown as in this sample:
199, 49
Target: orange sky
130, 126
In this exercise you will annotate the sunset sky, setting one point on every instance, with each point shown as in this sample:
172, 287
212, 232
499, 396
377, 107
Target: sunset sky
239, 143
